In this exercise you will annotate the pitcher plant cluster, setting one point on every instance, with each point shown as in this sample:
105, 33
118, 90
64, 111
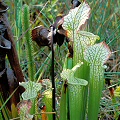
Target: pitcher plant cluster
83, 70
85, 79
83, 73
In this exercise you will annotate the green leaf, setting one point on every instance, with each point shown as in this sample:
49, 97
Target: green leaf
76, 18
47, 99
117, 91
97, 54
31, 89
76, 91
82, 40
64, 102
69, 75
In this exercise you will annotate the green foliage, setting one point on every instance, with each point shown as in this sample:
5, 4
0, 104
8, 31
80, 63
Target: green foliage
96, 55
6, 112
104, 21
3, 109
93, 57
29, 43
64, 102
75, 19
75, 88
18, 23
31, 90
48, 102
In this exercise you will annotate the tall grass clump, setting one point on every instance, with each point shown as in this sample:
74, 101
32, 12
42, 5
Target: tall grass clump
18, 23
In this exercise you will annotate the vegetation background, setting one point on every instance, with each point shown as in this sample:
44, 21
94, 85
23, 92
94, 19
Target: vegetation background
104, 21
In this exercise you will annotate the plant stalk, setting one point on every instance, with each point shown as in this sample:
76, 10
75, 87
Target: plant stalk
52, 76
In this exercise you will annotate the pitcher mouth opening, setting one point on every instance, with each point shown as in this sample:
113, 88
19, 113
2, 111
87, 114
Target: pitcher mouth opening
3, 7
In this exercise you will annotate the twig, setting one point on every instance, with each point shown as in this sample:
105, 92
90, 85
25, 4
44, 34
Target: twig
115, 67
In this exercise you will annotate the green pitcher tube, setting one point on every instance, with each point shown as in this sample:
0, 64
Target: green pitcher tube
48, 102
76, 99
